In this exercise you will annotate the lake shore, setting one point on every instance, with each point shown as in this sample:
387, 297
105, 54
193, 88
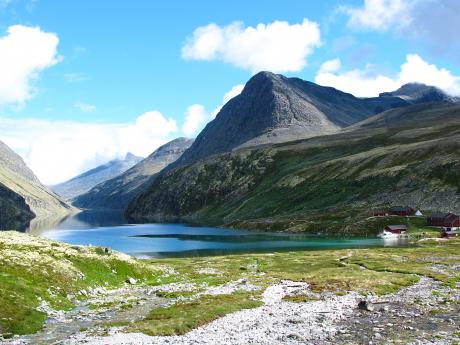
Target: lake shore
79, 294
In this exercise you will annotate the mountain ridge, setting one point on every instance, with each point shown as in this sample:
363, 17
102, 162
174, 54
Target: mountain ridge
84, 182
325, 183
23, 197
273, 108
117, 192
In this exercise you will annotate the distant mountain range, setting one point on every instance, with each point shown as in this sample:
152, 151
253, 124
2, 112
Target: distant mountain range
117, 192
22, 196
291, 155
275, 109
285, 154
84, 182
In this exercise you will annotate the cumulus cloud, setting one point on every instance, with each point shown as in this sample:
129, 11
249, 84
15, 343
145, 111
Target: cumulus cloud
366, 83
380, 14
195, 118
278, 46
59, 150
24, 53
85, 107
435, 23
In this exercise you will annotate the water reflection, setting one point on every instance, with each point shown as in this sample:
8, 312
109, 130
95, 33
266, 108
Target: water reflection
171, 240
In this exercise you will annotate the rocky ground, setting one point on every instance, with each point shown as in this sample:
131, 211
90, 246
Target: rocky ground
425, 313
366, 296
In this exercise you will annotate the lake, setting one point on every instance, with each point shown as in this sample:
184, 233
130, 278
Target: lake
175, 240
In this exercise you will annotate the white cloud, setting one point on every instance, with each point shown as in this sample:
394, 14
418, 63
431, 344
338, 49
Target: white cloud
277, 47
195, 118
85, 107
24, 52
59, 150
434, 23
366, 83
380, 14
235, 91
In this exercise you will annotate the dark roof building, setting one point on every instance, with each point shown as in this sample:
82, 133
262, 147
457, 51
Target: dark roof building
448, 219
402, 211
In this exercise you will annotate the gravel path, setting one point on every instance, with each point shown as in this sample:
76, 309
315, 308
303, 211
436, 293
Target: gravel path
277, 322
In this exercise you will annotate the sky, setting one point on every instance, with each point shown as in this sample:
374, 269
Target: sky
83, 82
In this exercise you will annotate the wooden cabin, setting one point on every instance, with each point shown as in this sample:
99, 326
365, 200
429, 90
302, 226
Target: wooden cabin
447, 220
402, 211
396, 229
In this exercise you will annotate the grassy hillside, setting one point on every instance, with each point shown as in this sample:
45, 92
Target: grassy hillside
328, 183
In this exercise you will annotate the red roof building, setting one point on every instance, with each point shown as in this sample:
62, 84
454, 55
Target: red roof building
396, 229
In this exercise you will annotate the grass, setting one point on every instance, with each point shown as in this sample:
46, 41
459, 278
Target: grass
35, 271
185, 316
39, 270
326, 184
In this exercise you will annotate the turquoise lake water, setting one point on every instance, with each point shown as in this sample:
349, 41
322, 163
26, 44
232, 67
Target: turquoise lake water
174, 240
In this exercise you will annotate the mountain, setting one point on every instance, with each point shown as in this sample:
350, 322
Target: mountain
274, 109
22, 196
329, 183
116, 193
84, 182
420, 93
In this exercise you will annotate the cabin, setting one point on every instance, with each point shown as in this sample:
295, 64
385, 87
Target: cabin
396, 229
402, 211
448, 220
436, 219
380, 213
452, 221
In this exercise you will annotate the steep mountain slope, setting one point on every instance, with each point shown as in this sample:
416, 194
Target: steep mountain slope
22, 194
116, 193
84, 182
325, 183
15, 213
274, 109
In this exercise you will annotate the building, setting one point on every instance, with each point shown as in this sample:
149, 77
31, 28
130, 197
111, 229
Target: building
380, 213
396, 229
402, 211
452, 221
448, 220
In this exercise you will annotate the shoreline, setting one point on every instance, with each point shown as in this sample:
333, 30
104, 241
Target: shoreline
266, 298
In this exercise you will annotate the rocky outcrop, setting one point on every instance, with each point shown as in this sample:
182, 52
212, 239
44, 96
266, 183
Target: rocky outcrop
416, 93
84, 182
14, 211
116, 193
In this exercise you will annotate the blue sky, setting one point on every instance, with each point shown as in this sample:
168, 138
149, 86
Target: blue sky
119, 60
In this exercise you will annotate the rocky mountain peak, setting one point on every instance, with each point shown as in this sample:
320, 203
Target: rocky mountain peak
420, 93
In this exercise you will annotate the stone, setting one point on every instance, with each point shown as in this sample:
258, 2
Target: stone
365, 305
131, 280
